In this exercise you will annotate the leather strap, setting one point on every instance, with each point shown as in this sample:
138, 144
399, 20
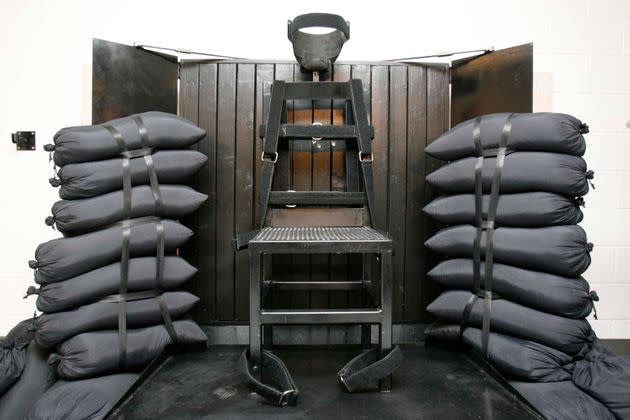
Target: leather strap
122, 305
325, 20
369, 366
488, 225
270, 145
282, 390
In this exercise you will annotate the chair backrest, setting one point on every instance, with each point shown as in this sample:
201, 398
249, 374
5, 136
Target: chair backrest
342, 202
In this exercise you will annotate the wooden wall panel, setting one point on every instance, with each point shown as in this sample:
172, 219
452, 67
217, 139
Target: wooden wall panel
408, 107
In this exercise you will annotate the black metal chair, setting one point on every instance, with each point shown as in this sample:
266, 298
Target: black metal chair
321, 222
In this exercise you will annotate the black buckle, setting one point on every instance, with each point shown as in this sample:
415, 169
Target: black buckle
267, 157
287, 398
366, 157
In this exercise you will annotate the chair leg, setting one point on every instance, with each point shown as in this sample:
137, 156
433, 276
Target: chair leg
254, 313
385, 384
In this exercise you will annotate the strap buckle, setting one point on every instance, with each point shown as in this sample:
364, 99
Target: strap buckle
267, 157
286, 398
366, 157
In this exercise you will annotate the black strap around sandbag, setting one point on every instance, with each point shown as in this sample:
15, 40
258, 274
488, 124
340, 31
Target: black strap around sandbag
488, 225
124, 296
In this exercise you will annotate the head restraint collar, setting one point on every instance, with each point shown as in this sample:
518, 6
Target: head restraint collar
317, 52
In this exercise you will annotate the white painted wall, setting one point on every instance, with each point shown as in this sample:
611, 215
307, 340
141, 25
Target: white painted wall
582, 57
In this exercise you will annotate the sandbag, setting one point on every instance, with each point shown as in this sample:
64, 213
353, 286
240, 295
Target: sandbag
97, 353
73, 217
561, 250
513, 357
63, 258
53, 329
13, 353
96, 284
565, 296
567, 335
562, 401
94, 142
82, 400
522, 172
89, 179
607, 379
533, 209
37, 377
536, 132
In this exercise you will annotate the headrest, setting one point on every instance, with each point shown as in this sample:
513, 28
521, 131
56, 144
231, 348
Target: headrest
317, 52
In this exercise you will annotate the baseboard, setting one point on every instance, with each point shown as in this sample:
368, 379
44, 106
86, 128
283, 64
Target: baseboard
312, 335
621, 347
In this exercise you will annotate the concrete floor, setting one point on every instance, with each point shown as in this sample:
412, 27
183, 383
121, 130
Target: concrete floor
433, 383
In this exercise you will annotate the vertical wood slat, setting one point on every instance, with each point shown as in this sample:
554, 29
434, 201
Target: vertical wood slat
321, 175
282, 269
226, 135
397, 180
415, 267
189, 109
355, 261
302, 180
339, 262
207, 215
244, 180
437, 123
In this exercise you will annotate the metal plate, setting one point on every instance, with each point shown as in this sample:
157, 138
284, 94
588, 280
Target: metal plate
500, 81
128, 80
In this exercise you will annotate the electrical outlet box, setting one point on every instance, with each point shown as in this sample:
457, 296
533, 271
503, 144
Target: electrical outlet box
24, 140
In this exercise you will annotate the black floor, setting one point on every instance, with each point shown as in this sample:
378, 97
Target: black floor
433, 383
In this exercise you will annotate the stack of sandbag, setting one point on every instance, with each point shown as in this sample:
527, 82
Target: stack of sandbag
109, 289
513, 258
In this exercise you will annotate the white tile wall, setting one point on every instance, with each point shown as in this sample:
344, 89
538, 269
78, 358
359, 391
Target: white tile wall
581, 61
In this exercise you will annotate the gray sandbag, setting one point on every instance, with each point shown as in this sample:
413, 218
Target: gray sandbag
513, 357
96, 284
37, 377
522, 172
536, 132
562, 401
82, 400
53, 329
73, 217
97, 353
533, 209
562, 250
565, 296
567, 335
13, 353
89, 179
607, 379
94, 142
63, 258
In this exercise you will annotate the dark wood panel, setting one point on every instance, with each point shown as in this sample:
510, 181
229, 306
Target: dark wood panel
226, 156
415, 268
408, 107
397, 179
437, 123
207, 181
244, 179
